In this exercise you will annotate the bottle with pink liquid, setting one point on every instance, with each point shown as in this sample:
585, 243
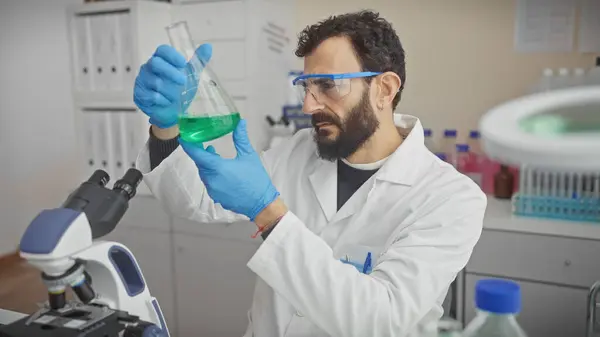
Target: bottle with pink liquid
476, 158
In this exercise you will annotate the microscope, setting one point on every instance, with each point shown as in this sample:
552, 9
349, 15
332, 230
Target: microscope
114, 299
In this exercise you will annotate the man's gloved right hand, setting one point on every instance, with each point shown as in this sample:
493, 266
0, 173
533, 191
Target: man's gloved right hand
159, 84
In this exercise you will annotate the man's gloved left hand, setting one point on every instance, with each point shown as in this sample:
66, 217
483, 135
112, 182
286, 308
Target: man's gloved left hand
241, 185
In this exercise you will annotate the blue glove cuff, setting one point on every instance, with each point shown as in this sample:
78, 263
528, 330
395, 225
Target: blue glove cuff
270, 196
162, 125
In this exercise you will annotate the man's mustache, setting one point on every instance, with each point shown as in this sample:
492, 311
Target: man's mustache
322, 117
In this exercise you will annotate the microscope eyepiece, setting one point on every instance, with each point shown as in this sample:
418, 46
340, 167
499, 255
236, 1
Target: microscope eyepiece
99, 177
129, 182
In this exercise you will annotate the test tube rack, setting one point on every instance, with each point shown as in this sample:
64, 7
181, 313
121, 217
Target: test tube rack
558, 195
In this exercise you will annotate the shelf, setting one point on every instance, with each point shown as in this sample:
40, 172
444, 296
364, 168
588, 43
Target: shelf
498, 216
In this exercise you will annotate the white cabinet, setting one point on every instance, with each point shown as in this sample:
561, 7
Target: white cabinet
547, 310
214, 286
555, 262
109, 41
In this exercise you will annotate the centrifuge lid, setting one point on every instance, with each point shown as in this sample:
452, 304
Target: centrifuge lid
504, 141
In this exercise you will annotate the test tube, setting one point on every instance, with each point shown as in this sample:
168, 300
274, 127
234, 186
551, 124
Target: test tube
529, 185
597, 186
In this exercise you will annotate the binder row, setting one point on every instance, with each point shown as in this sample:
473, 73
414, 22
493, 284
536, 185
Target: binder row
104, 54
113, 139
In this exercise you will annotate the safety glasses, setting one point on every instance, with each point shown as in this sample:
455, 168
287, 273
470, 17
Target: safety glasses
327, 86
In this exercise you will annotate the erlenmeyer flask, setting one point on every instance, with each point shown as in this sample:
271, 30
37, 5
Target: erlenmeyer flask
206, 110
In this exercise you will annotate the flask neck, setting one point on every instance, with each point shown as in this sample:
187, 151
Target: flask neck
181, 39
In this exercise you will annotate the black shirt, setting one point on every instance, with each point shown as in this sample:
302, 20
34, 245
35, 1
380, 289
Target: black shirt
349, 180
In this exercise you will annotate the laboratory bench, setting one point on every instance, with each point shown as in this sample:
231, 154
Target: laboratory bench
554, 261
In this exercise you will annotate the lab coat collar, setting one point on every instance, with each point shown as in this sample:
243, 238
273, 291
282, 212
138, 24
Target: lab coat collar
401, 167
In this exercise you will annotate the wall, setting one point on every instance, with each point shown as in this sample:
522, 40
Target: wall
37, 140
473, 68
460, 58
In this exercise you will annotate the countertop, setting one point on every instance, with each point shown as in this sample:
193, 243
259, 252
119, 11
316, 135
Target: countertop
498, 216
7, 316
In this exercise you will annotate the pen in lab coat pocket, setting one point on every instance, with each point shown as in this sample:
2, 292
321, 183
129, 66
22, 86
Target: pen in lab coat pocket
367, 264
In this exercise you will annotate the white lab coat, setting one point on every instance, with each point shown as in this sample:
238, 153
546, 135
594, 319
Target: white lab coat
418, 216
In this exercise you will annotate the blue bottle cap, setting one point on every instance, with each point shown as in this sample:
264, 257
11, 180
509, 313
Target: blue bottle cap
462, 148
449, 133
441, 155
498, 296
474, 134
427, 132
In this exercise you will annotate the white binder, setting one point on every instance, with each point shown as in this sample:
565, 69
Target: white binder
119, 145
99, 41
127, 72
102, 124
90, 142
81, 53
137, 134
113, 70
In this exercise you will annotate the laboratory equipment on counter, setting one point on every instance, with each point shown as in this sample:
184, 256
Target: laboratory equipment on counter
114, 299
476, 158
449, 145
503, 183
280, 130
498, 302
461, 160
429, 143
554, 137
207, 111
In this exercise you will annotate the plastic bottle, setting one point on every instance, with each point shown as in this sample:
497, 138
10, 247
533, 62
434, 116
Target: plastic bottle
449, 145
476, 158
593, 77
578, 78
498, 302
562, 80
429, 140
545, 82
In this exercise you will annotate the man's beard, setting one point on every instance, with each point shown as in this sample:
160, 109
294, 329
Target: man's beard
358, 126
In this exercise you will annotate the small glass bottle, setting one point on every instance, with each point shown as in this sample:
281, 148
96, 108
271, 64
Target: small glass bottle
461, 161
429, 140
504, 182
498, 302
449, 145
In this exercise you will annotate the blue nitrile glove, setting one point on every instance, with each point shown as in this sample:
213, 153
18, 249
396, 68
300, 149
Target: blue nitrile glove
158, 85
240, 185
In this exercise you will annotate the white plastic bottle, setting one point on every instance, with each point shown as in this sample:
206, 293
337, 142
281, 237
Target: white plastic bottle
578, 78
498, 302
593, 77
562, 80
545, 82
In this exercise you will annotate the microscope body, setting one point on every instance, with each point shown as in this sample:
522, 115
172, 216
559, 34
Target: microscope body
105, 276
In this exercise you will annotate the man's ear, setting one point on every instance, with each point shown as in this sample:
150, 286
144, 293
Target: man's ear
389, 85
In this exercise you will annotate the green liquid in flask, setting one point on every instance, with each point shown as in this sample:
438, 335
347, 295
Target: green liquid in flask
199, 129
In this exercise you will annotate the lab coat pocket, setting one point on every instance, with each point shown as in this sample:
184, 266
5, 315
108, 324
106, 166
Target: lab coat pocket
301, 326
363, 258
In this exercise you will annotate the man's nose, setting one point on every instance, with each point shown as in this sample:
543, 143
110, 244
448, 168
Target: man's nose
311, 105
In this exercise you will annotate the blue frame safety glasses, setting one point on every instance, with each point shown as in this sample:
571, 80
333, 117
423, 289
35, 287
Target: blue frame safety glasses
327, 86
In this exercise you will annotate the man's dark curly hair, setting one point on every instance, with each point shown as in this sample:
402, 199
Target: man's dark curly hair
375, 42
